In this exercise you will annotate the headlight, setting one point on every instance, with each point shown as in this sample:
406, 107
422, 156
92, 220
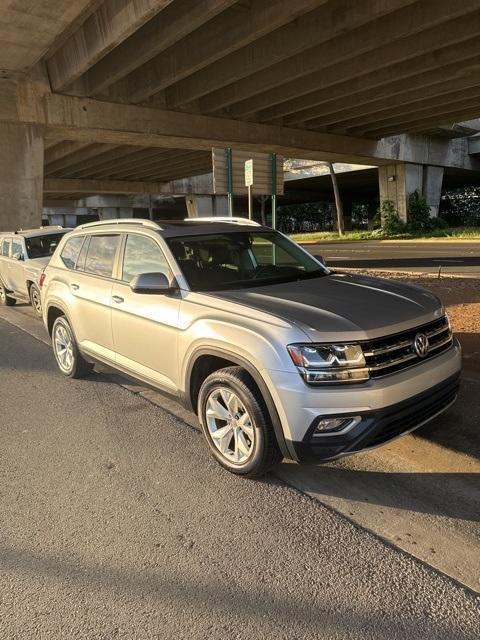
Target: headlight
319, 363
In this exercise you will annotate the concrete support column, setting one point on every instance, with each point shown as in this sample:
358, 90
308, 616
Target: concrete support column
205, 206
21, 176
398, 180
432, 187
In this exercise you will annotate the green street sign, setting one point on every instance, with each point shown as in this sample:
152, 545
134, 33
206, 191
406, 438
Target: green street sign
248, 173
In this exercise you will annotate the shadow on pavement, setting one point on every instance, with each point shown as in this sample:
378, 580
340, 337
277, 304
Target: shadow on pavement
459, 427
450, 495
168, 587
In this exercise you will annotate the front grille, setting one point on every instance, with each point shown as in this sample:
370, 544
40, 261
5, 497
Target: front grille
394, 353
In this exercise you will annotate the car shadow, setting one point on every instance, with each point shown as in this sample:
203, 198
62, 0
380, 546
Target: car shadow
451, 495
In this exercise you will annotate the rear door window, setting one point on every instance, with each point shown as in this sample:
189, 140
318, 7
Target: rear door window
71, 251
101, 255
17, 249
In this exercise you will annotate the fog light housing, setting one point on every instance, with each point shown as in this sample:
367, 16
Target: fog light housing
335, 425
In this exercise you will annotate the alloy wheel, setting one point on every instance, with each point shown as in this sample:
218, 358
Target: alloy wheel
63, 345
36, 302
230, 425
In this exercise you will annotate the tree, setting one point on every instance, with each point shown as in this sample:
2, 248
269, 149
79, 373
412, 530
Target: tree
338, 201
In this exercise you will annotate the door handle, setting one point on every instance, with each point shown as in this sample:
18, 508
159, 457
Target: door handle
74, 287
118, 299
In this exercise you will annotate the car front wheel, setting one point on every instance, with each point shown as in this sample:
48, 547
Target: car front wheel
236, 423
69, 359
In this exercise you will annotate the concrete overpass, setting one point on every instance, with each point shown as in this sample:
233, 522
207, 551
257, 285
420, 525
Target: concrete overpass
124, 96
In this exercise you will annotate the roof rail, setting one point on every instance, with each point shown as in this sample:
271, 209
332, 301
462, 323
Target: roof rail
46, 227
116, 221
232, 219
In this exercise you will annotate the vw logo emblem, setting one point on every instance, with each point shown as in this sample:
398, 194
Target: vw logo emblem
421, 345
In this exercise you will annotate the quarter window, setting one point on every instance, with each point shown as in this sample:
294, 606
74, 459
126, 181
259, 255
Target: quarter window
143, 255
5, 248
101, 255
70, 251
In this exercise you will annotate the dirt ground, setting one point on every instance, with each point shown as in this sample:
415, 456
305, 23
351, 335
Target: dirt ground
461, 296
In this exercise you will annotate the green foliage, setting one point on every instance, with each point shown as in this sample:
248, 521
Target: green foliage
419, 218
461, 207
390, 220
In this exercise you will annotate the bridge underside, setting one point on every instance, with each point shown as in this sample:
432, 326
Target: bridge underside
137, 93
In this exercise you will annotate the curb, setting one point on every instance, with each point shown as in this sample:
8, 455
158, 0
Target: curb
428, 274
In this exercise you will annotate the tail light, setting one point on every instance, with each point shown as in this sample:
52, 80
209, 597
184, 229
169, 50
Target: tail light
41, 279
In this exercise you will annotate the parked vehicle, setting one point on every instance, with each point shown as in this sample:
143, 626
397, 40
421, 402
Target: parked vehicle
278, 355
23, 256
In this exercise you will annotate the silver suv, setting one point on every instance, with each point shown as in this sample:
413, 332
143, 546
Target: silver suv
23, 256
278, 355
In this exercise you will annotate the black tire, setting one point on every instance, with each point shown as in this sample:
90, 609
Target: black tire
79, 367
35, 300
6, 300
264, 452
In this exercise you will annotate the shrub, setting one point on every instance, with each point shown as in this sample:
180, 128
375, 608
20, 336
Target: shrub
419, 219
391, 223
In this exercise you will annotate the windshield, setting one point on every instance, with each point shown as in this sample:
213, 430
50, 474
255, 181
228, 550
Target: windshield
241, 259
42, 246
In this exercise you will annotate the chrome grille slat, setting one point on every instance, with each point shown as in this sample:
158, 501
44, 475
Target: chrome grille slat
394, 347
378, 353
392, 363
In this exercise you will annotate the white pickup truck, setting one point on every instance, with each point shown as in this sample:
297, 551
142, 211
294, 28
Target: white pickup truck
23, 256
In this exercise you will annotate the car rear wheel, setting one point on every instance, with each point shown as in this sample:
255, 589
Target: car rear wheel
6, 300
236, 423
69, 359
35, 300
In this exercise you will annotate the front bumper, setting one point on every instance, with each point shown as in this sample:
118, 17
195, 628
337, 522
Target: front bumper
379, 426
377, 401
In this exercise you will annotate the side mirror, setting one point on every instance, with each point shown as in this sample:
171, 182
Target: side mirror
20, 257
321, 259
151, 283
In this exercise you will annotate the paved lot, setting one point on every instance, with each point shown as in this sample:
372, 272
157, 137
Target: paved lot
462, 258
115, 523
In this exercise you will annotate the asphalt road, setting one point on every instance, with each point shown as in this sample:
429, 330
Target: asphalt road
114, 522
453, 257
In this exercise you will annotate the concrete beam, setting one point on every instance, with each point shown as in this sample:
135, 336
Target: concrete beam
65, 185
84, 120
474, 145
233, 29
173, 162
88, 152
413, 122
29, 29
61, 150
376, 46
175, 22
165, 174
113, 22
420, 108
112, 163
424, 73
294, 38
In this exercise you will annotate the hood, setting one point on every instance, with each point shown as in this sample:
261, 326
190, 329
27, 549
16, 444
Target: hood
342, 306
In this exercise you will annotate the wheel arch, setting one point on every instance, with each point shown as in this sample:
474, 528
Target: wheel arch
225, 358
54, 311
